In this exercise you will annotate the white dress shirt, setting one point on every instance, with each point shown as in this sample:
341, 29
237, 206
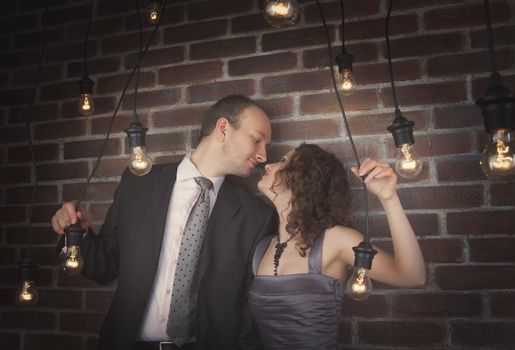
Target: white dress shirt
185, 193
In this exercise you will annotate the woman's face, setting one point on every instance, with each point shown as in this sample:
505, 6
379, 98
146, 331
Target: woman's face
272, 184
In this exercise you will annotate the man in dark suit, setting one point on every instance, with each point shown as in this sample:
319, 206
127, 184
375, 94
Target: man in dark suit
140, 238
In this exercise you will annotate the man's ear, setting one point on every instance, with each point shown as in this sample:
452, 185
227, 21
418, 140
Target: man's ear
221, 127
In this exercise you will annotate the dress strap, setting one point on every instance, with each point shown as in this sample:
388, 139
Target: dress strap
315, 255
259, 252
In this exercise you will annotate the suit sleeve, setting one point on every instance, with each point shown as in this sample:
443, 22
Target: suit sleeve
250, 338
100, 251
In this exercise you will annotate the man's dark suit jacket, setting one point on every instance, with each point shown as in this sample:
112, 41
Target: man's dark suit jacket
128, 248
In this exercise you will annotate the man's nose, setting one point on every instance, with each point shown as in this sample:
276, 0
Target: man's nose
261, 155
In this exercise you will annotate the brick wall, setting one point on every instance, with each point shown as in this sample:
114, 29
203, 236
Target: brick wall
205, 50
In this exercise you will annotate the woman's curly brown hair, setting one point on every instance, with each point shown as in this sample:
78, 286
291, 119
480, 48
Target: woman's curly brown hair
321, 197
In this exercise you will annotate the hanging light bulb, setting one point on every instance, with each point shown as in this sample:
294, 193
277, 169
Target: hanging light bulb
73, 261
359, 285
408, 163
281, 13
346, 82
27, 294
86, 104
154, 11
498, 109
140, 163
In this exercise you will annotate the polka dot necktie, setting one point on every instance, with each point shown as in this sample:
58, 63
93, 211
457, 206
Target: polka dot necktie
181, 319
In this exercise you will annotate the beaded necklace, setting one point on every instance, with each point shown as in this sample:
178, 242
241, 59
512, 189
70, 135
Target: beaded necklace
279, 249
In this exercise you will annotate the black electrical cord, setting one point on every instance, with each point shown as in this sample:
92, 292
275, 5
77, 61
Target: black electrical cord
388, 53
111, 123
489, 36
88, 28
135, 117
342, 110
343, 27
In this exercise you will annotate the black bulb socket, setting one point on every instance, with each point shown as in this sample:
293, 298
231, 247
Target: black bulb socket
363, 255
402, 130
344, 61
497, 106
86, 85
74, 235
136, 133
27, 267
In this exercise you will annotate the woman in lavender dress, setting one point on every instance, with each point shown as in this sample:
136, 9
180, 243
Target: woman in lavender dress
296, 295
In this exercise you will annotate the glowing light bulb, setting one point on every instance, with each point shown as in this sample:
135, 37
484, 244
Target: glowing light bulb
498, 160
86, 104
359, 285
281, 13
346, 82
408, 164
154, 11
27, 295
140, 163
73, 262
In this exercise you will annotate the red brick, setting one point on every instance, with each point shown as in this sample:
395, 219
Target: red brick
210, 9
468, 63
158, 57
327, 103
305, 129
69, 14
480, 85
191, 116
481, 222
401, 333
28, 320
502, 35
426, 94
483, 333
439, 305
103, 105
362, 51
40, 235
345, 332
13, 24
76, 281
111, 167
15, 175
10, 340
43, 213
439, 144
423, 224
223, 48
112, 7
52, 341
28, 76
502, 194
277, 107
102, 27
461, 116
442, 250
417, 4
34, 39
374, 73
296, 82
91, 148
427, 44
502, 305
376, 306
262, 64
11, 277
249, 23
117, 83
441, 197
166, 142
173, 15
464, 16
120, 124
13, 134
295, 38
60, 129
15, 97
59, 299
461, 168
374, 28
195, 31
474, 277
152, 98
39, 113
215, 91
23, 195
492, 250
44, 255
332, 11
127, 42
19, 59
368, 124
59, 91
81, 322
69, 52
62, 171
98, 300
98, 191
7, 257
95, 67
188, 73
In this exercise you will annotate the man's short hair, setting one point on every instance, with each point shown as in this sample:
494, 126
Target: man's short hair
230, 107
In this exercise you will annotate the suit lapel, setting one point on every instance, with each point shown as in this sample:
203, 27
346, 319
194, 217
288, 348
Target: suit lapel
164, 181
226, 207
